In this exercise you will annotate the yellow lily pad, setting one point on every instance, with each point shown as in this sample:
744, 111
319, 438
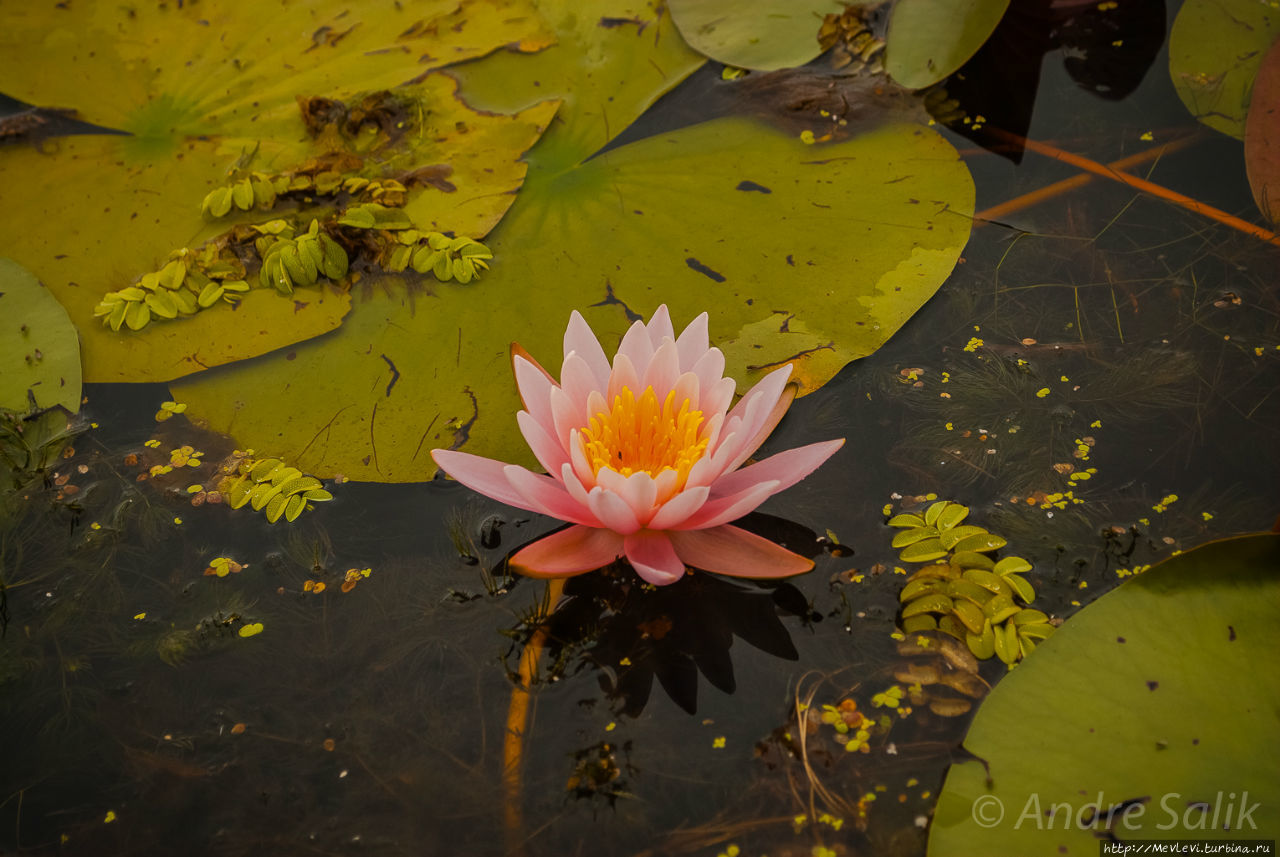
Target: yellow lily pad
39, 353
96, 212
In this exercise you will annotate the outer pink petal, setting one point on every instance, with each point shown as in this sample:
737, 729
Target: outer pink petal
734, 551
786, 468
636, 347
550, 452
659, 326
693, 342
566, 552
578, 337
652, 556
722, 510
482, 474
755, 409
544, 494
612, 511
678, 509
535, 389
566, 413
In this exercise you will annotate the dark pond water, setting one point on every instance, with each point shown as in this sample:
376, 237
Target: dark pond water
138, 720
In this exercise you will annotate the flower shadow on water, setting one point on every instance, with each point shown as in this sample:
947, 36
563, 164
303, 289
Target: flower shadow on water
634, 633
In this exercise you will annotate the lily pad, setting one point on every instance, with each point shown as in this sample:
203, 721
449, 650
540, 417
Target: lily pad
755, 34
810, 254
1215, 50
1154, 713
1262, 136
929, 39
39, 352
133, 199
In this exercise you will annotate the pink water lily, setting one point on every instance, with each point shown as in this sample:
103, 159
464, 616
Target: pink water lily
645, 457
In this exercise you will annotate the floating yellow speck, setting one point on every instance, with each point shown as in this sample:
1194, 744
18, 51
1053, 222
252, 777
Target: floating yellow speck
251, 630
140, 616
718, 743
931, 496
806, 137
95, 526
612, 726
1042, 392
1208, 516
973, 344
625, 662
177, 520
109, 817
950, 427
1064, 379
1084, 584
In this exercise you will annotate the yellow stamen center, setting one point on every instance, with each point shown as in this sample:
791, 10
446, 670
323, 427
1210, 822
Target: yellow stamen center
638, 434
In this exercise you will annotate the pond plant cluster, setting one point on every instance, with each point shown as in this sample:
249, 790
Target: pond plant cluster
940, 527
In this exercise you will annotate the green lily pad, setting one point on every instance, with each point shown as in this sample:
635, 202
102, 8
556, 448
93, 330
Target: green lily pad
810, 254
756, 34
96, 213
1262, 136
39, 352
929, 39
1154, 713
1215, 49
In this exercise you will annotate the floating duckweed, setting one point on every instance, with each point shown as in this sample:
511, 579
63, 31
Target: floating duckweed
966, 594
973, 344
180, 288
272, 487
446, 258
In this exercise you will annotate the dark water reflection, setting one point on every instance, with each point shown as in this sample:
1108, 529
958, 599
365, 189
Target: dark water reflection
374, 721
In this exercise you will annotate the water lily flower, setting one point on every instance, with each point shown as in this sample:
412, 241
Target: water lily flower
645, 457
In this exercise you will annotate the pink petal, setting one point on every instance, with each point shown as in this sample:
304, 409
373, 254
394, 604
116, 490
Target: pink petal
734, 551
550, 453
678, 509
769, 423
755, 409
535, 389
544, 494
577, 490
652, 556
786, 468
636, 347
663, 371
578, 459
709, 468
481, 474
624, 375
638, 490
659, 327
722, 510
666, 482
693, 342
579, 338
566, 414
577, 381
710, 371
687, 387
566, 552
612, 511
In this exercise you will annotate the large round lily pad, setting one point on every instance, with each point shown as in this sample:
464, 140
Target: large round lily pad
756, 34
88, 215
1215, 49
814, 254
1152, 714
39, 352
